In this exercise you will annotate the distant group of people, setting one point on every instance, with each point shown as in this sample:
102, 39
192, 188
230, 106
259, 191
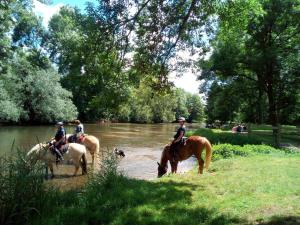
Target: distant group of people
60, 138
241, 128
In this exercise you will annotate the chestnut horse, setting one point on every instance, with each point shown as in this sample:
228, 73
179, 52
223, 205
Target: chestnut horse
194, 146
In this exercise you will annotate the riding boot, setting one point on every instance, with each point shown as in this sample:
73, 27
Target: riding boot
59, 156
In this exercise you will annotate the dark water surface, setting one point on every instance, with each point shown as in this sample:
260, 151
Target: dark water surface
142, 143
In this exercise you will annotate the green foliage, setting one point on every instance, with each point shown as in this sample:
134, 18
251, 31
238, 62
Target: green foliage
34, 95
224, 151
30, 87
255, 57
91, 65
146, 105
111, 198
23, 193
9, 109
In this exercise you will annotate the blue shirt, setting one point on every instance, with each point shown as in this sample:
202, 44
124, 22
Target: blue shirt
60, 133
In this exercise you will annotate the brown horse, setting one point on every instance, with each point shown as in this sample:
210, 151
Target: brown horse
194, 146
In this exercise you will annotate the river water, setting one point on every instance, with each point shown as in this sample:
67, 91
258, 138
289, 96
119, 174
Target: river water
142, 143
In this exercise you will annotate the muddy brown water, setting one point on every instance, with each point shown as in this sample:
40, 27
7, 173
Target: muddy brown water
142, 144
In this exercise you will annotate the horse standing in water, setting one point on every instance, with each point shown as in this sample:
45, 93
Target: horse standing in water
194, 146
90, 142
74, 152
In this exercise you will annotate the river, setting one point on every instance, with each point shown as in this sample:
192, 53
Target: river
142, 143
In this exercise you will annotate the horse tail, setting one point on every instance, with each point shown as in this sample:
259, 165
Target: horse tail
208, 153
83, 164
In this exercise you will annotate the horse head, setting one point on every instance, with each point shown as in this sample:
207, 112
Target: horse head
163, 165
37, 152
161, 170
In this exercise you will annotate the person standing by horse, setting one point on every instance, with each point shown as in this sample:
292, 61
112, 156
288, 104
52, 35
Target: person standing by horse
178, 138
59, 140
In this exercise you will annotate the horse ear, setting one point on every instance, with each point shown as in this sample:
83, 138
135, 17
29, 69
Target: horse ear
158, 163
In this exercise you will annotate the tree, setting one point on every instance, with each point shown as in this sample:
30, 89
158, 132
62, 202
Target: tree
261, 45
34, 95
89, 60
195, 108
30, 87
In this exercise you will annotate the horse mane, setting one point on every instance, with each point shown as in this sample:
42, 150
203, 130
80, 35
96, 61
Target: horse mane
36, 149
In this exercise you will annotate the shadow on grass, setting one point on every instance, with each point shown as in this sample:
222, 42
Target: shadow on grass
284, 220
121, 200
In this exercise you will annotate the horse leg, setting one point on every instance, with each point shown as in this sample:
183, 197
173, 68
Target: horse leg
174, 167
76, 169
93, 159
201, 164
51, 170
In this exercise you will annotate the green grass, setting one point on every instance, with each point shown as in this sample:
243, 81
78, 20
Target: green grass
262, 188
250, 184
261, 134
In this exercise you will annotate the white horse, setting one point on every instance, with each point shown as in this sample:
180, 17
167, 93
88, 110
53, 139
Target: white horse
75, 153
91, 143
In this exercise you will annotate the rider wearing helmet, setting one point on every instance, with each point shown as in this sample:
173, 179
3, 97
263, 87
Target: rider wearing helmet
59, 140
178, 137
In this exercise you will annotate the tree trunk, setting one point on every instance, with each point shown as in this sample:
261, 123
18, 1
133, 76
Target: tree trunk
260, 106
273, 116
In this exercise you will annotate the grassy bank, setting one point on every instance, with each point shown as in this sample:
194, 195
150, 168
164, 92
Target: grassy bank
262, 187
260, 134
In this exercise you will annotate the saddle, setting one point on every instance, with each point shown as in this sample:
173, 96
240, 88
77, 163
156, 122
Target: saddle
73, 139
63, 149
175, 149
183, 140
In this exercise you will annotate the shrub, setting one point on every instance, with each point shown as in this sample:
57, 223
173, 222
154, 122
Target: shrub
224, 151
22, 193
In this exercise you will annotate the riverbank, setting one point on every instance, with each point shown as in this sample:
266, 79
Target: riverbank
260, 134
253, 184
235, 191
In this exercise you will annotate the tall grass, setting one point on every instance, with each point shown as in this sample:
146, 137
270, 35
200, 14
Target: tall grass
22, 192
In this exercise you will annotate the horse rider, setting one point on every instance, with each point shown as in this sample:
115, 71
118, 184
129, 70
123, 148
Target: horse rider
178, 138
79, 130
59, 140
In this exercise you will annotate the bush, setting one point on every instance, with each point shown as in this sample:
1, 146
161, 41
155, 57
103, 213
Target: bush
22, 192
224, 151
97, 203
